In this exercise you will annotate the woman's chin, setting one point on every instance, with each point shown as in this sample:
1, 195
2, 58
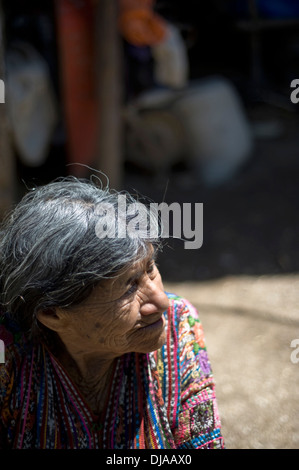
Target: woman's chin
153, 344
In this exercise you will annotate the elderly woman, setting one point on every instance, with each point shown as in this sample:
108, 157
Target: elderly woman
97, 355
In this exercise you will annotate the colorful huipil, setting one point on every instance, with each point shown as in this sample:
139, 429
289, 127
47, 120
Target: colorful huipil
161, 400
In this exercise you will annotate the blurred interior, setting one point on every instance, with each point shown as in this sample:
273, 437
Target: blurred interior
250, 218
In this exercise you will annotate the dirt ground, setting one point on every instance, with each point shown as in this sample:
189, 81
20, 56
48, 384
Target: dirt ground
244, 280
249, 322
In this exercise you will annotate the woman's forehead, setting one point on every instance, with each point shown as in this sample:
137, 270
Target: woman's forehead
131, 272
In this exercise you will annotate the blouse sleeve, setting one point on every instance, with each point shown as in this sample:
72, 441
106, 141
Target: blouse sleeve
5, 411
198, 424
8, 372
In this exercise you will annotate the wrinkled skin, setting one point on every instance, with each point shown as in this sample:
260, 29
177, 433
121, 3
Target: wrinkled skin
122, 315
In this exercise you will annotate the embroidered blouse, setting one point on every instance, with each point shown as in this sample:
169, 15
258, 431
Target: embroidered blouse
161, 400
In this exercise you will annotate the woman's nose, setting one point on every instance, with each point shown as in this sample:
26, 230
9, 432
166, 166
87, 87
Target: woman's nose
156, 300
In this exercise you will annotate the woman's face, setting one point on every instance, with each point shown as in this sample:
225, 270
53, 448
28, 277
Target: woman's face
121, 315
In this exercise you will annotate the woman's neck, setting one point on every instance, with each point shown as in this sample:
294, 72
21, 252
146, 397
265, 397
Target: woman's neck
90, 373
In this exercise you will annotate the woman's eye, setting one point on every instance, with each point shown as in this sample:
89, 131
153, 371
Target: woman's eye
151, 268
133, 287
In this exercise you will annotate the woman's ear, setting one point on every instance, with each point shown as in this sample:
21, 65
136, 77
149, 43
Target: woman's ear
52, 318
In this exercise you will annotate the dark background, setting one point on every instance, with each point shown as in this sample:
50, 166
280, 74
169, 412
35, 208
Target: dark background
251, 222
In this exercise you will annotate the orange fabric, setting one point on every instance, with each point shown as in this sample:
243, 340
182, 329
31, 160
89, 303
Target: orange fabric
135, 4
139, 24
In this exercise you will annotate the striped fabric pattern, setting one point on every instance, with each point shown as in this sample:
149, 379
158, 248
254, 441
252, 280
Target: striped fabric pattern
162, 400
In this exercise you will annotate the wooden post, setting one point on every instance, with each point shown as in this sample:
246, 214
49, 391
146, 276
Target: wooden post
7, 160
256, 65
109, 81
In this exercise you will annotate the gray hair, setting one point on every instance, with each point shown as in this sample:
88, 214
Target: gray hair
50, 254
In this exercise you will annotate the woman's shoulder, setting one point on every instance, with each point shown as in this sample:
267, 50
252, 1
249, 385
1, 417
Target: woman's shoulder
10, 331
187, 319
14, 345
182, 308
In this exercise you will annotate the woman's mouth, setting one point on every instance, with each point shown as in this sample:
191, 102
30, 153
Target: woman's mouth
155, 325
